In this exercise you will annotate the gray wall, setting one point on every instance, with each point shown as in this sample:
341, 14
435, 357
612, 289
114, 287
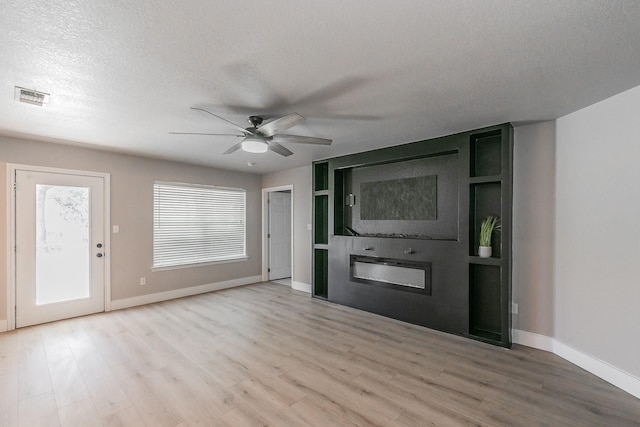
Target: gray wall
533, 227
597, 261
131, 208
300, 178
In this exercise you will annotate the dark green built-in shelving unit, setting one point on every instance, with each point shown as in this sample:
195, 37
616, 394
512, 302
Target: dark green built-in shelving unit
469, 295
320, 229
490, 191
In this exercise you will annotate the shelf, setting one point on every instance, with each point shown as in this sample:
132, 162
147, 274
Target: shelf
321, 193
486, 336
320, 246
485, 179
485, 261
397, 237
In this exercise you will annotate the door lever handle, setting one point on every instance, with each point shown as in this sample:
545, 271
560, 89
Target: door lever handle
99, 255
409, 251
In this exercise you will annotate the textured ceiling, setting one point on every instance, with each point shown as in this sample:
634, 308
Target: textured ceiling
370, 73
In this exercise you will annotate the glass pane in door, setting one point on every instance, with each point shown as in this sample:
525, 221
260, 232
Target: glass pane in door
62, 243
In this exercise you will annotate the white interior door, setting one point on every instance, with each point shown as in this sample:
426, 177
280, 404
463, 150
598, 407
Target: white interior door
59, 225
279, 235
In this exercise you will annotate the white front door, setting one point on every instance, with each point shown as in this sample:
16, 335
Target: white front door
59, 225
279, 235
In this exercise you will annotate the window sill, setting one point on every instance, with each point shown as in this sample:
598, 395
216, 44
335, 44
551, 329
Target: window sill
201, 264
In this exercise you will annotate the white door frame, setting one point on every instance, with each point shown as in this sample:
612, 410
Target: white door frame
265, 229
11, 233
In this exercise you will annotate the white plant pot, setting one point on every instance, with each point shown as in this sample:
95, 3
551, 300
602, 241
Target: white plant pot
484, 252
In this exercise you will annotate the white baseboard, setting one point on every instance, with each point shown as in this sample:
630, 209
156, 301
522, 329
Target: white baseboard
609, 373
4, 325
299, 286
541, 342
184, 292
599, 368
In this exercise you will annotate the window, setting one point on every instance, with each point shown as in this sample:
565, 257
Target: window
195, 224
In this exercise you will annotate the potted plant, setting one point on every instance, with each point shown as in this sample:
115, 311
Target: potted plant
486, 231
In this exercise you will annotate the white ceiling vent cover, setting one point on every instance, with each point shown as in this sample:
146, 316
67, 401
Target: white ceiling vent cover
31, 96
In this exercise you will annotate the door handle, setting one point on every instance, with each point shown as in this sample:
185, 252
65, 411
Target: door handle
99, 255
99, 245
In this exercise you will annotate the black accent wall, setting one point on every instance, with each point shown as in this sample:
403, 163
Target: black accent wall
469, 177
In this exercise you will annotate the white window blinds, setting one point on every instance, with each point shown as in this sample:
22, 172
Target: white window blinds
195, 224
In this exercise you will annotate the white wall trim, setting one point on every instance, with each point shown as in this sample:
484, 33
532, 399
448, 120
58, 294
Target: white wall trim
11, 241
107, 241
599, 368
609, 373
11, 264
541, 342
3, 326
265, 228
184, 292
299, 286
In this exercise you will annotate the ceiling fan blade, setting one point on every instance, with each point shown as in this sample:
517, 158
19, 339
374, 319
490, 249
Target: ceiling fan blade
299, 139
234, 147
278, 125
224, 120
199, 133
277, 148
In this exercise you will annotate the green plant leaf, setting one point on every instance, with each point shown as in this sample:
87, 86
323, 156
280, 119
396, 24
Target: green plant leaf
487, 228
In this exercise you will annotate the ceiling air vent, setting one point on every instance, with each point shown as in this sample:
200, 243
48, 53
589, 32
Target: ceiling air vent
31, 96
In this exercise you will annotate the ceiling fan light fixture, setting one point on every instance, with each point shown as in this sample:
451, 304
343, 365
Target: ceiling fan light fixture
254, 145
260, 138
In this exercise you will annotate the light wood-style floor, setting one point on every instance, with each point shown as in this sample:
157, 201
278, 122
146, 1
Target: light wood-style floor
267, 355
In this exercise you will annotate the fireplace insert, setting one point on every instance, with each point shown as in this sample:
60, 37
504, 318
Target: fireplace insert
403, 275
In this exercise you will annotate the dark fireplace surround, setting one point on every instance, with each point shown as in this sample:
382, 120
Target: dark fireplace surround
396, 232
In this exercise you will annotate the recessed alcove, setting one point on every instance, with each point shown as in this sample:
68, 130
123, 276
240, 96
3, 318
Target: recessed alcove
486, 154
409, 198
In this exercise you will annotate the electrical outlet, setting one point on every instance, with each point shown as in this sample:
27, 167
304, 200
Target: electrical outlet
143, 280
514, 308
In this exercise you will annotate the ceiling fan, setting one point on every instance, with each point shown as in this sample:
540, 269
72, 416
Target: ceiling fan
260, 137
